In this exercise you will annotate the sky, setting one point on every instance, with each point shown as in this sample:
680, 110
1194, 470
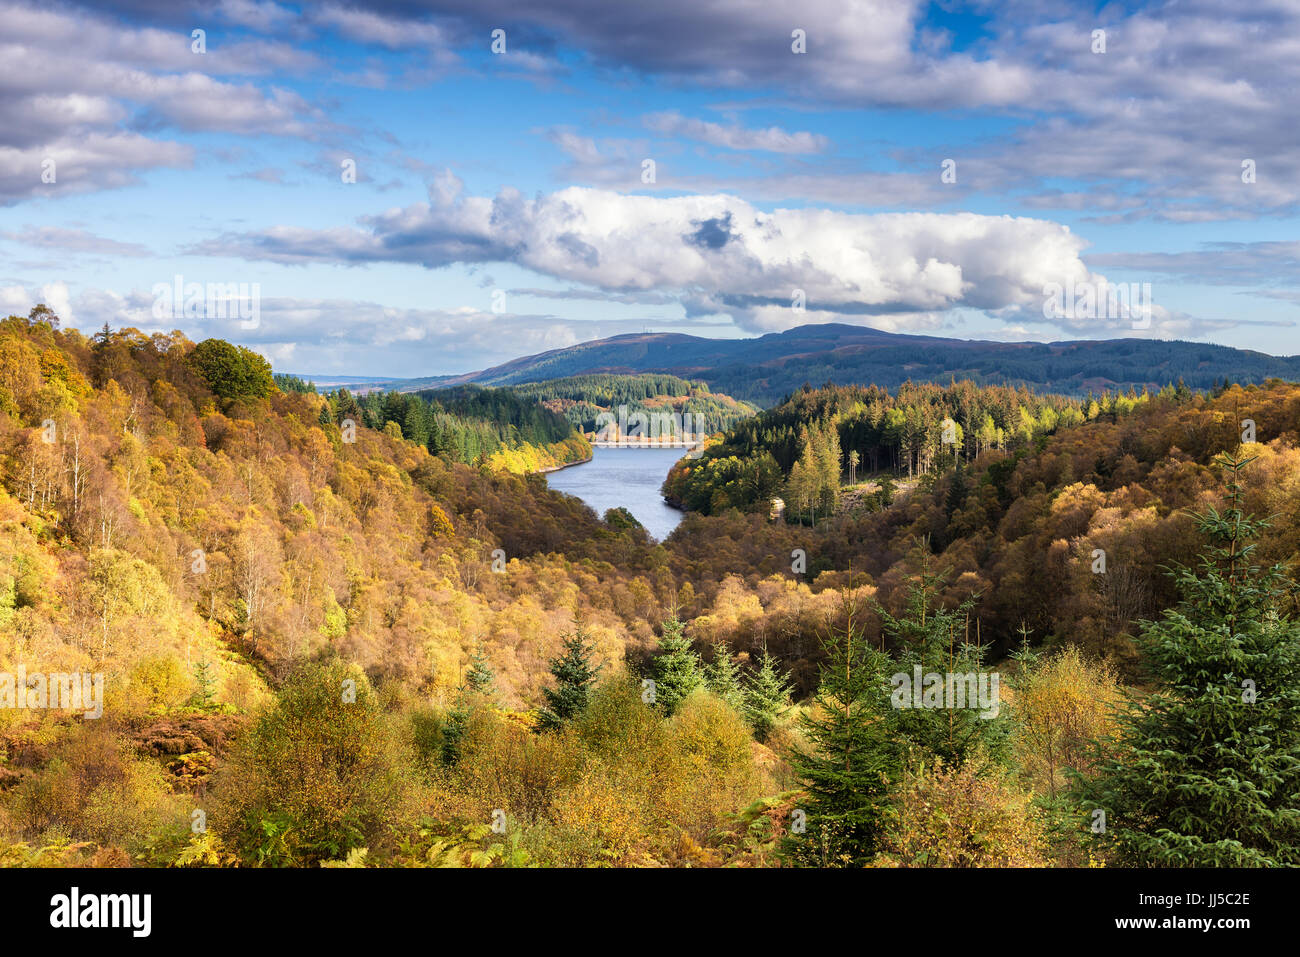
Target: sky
416, 188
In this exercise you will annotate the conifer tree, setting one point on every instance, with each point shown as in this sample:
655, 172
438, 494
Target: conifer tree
574, 678
826, 451
479, 679
766, 695
722, 677
799, 491
1208, 766
207, 683
677, 670
849, 763
478, 689
931, 638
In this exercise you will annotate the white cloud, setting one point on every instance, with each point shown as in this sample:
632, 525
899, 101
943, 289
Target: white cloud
717, 254
345, 335
366, 26
773, 139
73, 240
81, 89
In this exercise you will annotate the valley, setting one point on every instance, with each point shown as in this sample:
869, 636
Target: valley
625, 682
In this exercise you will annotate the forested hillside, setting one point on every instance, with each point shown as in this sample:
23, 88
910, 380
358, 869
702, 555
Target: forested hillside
582, 399
765, 368
471, 425
341, 648
804, 447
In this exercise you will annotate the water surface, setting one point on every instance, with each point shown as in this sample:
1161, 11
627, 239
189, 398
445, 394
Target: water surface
627, 477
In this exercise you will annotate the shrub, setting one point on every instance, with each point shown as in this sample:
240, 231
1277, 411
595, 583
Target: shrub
94, 789
711, 770
158, 682
969, 816
1063, 705
316, 776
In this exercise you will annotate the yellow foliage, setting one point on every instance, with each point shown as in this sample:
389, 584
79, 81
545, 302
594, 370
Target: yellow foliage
1061, 706
963, 817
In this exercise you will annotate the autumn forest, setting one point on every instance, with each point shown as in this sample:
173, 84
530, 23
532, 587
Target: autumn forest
361, 630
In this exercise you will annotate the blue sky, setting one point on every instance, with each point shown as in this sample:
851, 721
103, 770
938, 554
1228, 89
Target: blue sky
500, 207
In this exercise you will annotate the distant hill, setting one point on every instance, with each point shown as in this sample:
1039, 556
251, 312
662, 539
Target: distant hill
582, 399
361, 385
771, 366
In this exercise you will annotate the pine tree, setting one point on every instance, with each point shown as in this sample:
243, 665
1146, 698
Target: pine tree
1208, 766
677, 670
207, 682
479, 688
767, 696
805, 483
722, 677
849, 765
479, 679
827, 454
798, 490
930, 638
574, 679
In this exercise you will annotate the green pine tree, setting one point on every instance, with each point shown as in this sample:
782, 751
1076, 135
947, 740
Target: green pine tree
1208, 766
479, 679
676, 669
766, 696
207, 682
930, 637
722, 677
850, 762
478, 690
574, 679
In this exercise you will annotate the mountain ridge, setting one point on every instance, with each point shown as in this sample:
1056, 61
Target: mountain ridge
772, 365
768, 367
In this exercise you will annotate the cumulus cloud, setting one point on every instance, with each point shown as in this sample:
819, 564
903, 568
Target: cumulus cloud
716, 254
94, 160
18, 300
86, 92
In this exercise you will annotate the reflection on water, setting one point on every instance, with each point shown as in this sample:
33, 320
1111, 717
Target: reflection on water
627, 477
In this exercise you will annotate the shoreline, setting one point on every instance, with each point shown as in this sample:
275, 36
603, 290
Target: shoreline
566, 465
555, 468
